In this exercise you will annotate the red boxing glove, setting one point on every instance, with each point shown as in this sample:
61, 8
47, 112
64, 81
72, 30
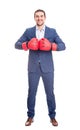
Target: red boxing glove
54, 46
24, 46
44, 45
33, 44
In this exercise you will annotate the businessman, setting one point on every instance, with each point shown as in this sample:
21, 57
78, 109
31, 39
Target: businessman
40, 40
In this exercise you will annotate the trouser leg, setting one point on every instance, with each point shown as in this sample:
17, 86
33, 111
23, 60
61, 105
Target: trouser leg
48, 79
33, 79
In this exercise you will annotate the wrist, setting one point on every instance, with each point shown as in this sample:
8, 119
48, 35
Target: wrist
24, 46
54, 46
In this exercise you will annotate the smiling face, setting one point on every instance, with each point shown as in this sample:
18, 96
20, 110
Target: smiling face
39, 18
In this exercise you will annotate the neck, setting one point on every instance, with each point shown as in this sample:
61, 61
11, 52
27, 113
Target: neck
40, 27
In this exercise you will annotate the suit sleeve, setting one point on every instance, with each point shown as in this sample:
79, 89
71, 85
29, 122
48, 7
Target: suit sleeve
23, 38
60, 44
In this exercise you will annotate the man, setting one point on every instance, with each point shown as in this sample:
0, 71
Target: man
40, 40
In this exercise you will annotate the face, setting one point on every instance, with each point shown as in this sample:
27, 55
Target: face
39, 18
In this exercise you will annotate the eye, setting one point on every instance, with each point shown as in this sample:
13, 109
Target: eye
36, 16
41, 16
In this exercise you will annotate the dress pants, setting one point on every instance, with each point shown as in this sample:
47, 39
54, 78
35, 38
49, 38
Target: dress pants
48, 81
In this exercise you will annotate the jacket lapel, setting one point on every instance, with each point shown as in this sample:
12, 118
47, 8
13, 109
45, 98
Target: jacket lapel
46, 32
33, 32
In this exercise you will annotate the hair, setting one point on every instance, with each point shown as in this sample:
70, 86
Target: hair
40, 10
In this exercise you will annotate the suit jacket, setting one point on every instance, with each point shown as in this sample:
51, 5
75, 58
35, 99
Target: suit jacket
45, 57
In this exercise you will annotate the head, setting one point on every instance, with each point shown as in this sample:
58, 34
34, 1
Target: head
39, 17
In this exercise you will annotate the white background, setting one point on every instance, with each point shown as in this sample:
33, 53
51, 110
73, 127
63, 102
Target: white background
15, 17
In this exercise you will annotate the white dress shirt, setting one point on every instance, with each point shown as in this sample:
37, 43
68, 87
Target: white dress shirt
40, 33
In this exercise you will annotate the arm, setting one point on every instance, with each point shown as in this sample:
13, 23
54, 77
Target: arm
59, 42
22, 39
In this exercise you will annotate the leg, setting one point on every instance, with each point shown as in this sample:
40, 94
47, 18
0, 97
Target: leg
49, 89
33, 85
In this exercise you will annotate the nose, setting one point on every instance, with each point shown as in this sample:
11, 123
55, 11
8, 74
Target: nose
39, 18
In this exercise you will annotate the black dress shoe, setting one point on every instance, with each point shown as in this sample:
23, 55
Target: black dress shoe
29, 121
54, 122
